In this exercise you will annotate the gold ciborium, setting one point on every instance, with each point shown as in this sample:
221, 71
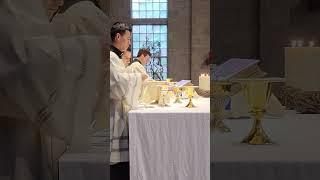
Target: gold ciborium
219, 97
190, 92
257, 92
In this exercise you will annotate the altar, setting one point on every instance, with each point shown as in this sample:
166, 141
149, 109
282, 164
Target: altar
294, 156
170, 142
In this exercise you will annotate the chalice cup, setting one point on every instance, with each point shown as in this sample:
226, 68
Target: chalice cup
190, 93
257, 92
219, 98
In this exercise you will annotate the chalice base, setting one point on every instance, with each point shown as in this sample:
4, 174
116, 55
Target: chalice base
190, 104
257, 136
220, 126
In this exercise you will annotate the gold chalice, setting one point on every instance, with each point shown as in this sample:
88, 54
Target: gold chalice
257, 92
190, 92
219, 97
177, 93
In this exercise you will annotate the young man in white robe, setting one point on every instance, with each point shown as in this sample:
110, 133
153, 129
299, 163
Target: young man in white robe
124, 93
138, 64
38, 74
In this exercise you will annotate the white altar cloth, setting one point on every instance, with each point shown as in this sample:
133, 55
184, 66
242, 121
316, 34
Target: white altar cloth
170, 143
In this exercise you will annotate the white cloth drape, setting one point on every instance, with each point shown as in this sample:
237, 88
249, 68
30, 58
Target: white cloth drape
171, 143
38, 74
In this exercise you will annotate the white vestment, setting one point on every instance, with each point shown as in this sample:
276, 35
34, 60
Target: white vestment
38, 74
136, 67
124, 94
84, 18
81, 18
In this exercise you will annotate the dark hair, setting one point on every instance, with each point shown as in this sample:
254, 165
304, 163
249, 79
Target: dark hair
120, 28
144, 51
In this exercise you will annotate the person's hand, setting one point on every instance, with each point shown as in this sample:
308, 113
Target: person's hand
126, 62
144, 77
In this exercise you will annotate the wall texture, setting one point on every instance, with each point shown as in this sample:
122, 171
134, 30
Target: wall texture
200, 37
247, 30
179, 29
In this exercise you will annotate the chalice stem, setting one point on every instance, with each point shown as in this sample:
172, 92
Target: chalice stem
178, 100
218, 122
190, 104
257, 135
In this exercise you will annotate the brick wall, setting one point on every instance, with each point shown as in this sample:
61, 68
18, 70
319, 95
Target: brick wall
200, 37
179, 28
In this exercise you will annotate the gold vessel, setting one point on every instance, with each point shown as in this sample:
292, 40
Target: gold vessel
219, 97
190, 92
257, 92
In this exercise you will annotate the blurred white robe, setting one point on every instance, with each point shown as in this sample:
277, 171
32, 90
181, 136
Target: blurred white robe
38, 74
81, 18
84, 18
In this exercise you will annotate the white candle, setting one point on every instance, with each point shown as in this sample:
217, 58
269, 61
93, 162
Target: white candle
204, 82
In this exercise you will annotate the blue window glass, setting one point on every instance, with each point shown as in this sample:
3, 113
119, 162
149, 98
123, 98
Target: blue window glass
153, 37
147, 9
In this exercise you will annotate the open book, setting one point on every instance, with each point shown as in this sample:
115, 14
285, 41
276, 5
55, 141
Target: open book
237, 68
184, 83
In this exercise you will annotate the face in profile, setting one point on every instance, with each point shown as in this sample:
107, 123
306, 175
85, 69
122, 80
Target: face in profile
124, 40
126, 58
145, 59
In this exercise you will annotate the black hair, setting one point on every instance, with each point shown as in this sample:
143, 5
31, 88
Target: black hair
119, 27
